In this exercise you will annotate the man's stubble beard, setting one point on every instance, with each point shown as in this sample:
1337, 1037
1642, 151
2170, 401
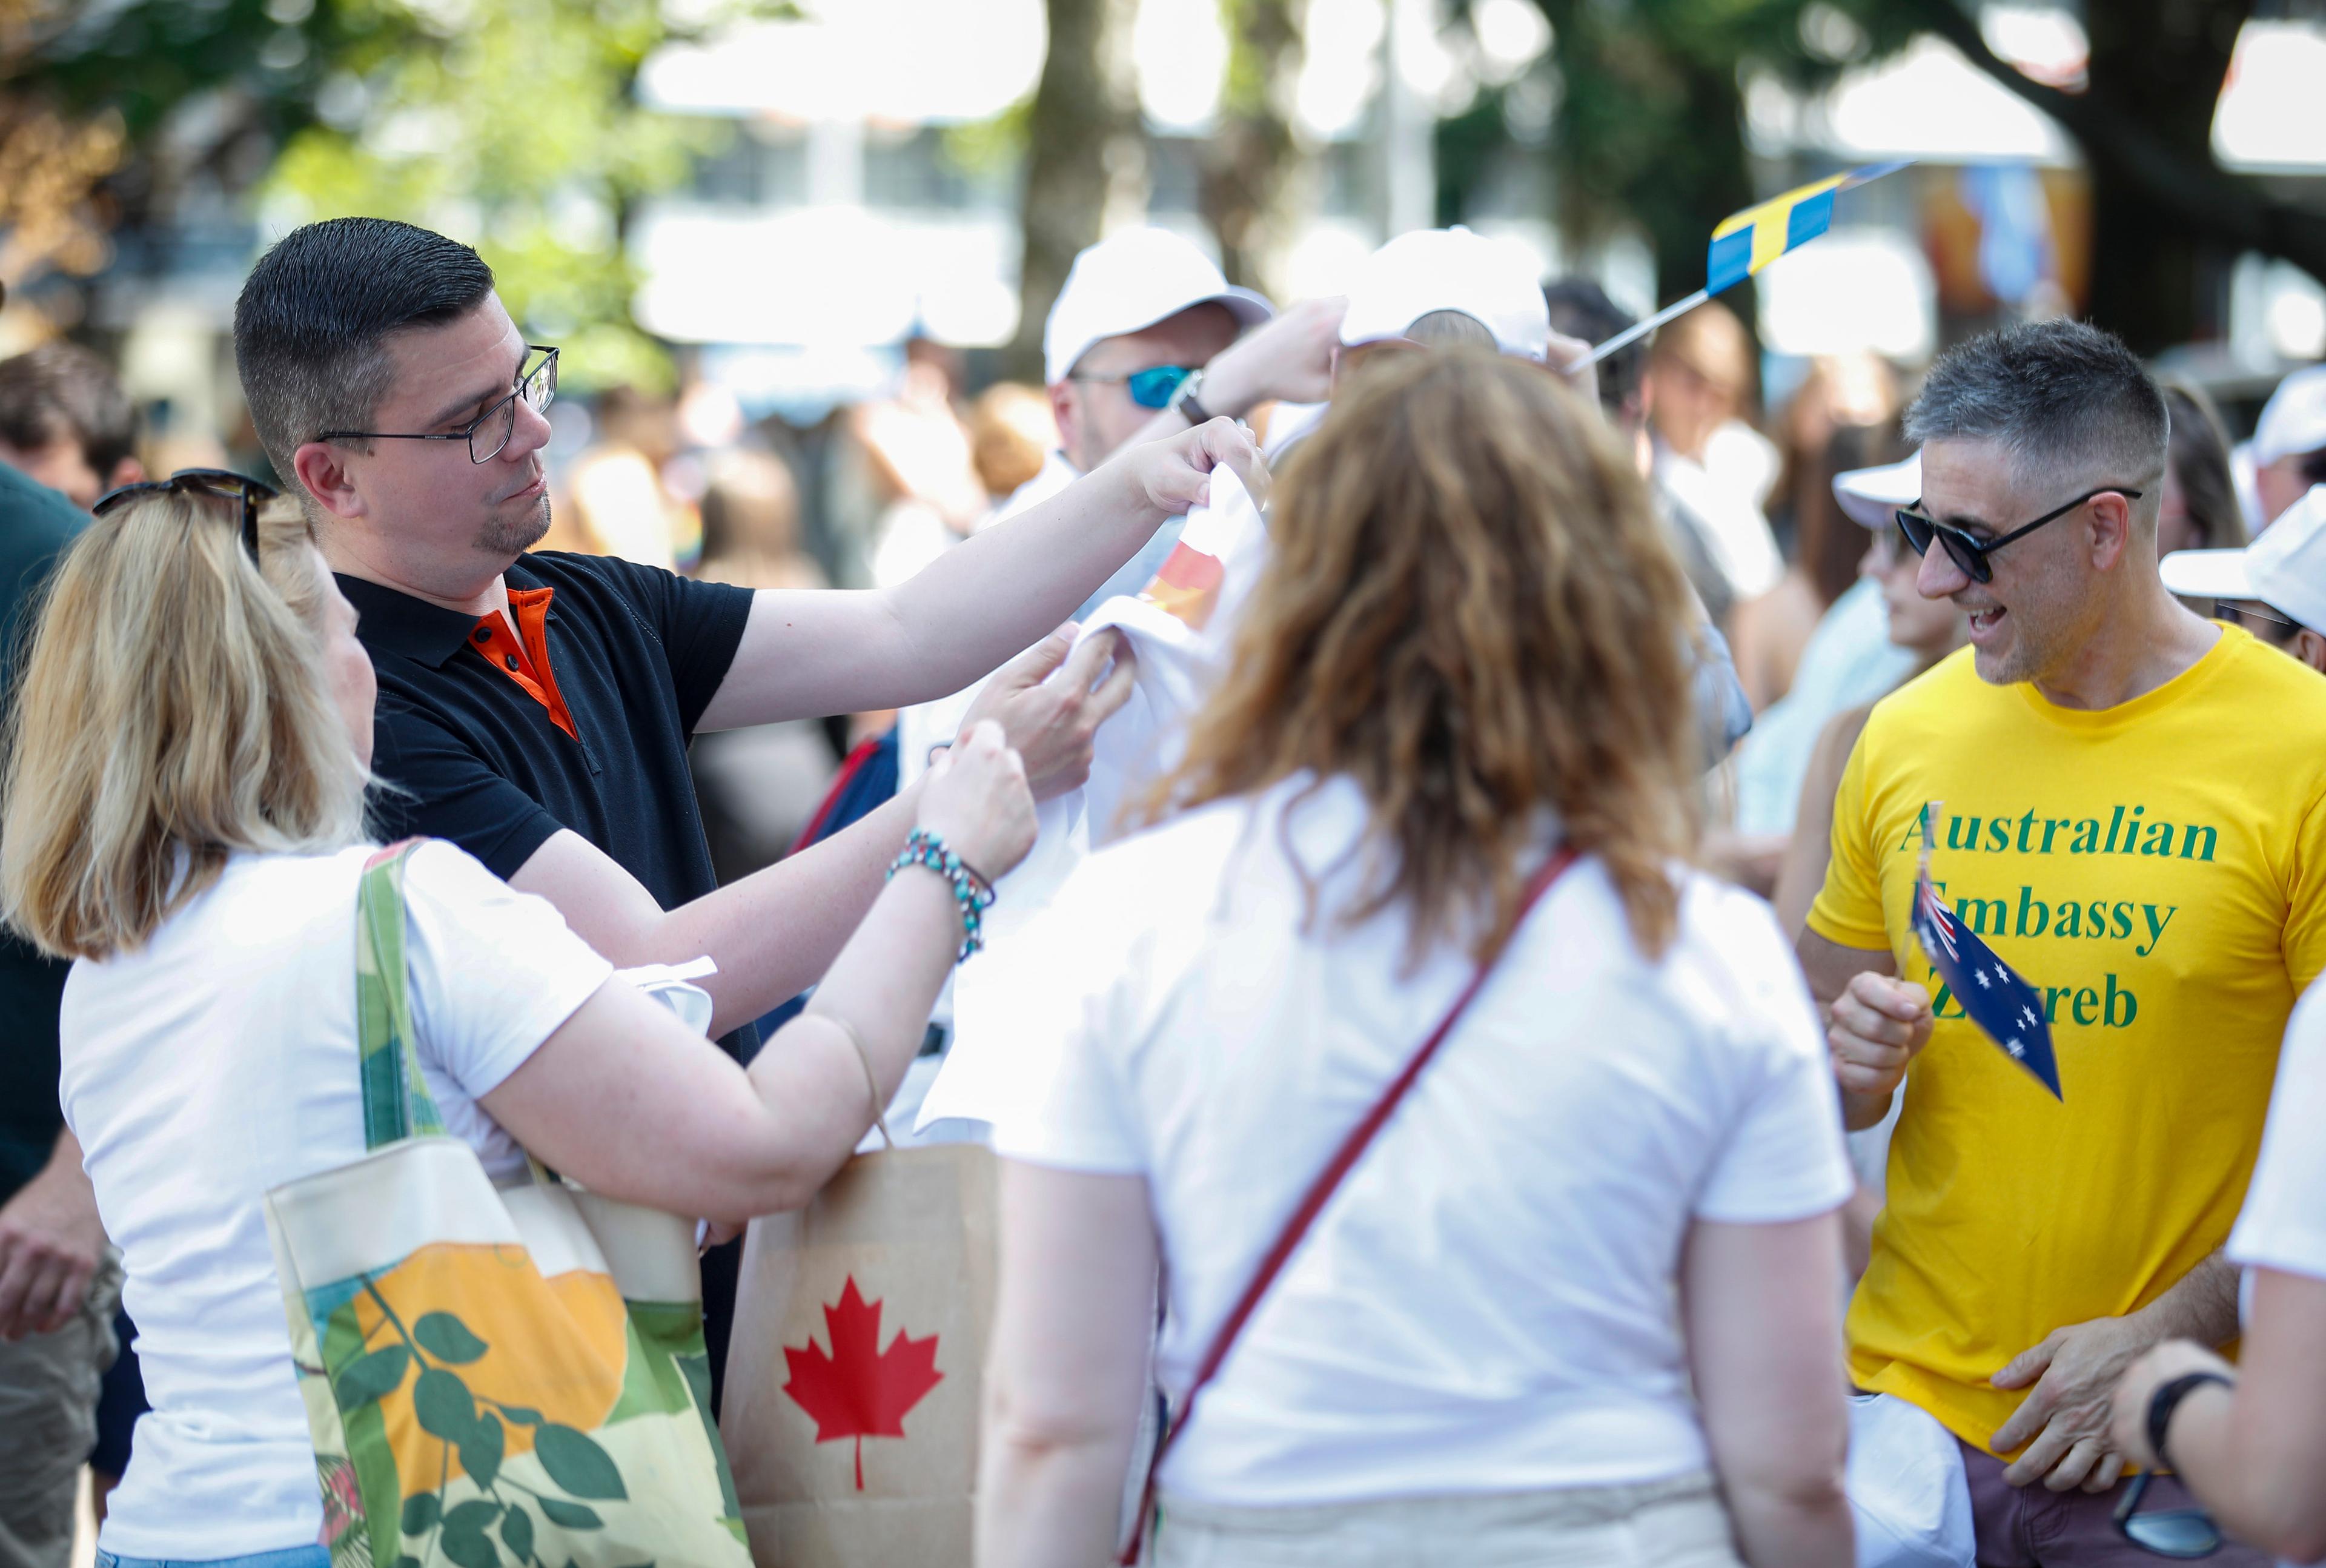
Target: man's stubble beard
515, 536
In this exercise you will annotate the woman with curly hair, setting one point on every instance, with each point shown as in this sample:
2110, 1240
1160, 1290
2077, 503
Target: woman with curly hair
1462, 672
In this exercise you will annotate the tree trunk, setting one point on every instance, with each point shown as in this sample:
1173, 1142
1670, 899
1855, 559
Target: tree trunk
1082, 148
1251, 185
2154, 272
2163, 211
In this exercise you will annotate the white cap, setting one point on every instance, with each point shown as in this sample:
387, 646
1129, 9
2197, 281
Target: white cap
2293, 420
1872, 496
1490, 282
1126, 282
2286, 568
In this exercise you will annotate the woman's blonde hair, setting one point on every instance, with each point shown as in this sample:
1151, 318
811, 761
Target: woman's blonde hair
1471, 611
171, 708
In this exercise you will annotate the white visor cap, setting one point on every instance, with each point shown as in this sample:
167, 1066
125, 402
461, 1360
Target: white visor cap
1871, 496
2293, 420
2285, 569
1126, 282
1491, 282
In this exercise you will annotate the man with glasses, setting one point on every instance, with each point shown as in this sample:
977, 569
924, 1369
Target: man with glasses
2128, 809
2274, 588
535, 708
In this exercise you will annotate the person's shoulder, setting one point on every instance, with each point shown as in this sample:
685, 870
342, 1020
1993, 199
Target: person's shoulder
1183, 839
29, 505
2252, 667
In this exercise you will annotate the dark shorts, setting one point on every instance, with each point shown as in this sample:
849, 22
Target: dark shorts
2030, 1528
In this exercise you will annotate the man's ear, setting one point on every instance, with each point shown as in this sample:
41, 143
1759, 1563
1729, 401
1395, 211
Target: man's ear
2111, 525
321, 471
1064, 411
2310, 648
127, 471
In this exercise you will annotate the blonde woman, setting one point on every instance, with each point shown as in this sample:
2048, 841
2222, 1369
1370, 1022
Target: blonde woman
1459, 662
184, 819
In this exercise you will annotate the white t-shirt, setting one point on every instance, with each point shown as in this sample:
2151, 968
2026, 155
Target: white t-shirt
2283, 1225
219, 1061
1487, 1305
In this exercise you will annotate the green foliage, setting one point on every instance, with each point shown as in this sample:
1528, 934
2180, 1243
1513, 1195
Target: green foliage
575, 1461
447, 1338
1647, 125
512, 125
372, 1376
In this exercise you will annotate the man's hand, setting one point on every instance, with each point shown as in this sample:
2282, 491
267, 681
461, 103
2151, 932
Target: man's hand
1168, 476
2129, 1405
1289, 360
50, 1243
1875, 1029
1051, 718
2064, 1421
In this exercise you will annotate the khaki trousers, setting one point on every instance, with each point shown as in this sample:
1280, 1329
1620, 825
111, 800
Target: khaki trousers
48, 1424
1670, 1523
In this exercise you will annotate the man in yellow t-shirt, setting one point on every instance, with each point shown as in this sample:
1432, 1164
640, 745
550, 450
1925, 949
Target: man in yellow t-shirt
2131, 810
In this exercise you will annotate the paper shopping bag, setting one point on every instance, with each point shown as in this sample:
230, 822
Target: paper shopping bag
853, 1379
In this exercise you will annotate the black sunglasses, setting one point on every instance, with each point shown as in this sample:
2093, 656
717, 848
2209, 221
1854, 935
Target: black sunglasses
496, 424
250, 492
1970, 553
2186, 1533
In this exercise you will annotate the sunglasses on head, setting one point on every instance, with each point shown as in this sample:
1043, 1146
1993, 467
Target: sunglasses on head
2185, 1533
1148, 388
250, 492
1970, 551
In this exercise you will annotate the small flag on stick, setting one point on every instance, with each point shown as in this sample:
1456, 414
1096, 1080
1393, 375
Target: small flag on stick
2006, 1009
1747, 241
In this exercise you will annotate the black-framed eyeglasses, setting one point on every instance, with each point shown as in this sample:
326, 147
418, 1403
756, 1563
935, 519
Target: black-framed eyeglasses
2185, 1533
2238, 615
224, 482
1970, 552
488, 433
1148, 388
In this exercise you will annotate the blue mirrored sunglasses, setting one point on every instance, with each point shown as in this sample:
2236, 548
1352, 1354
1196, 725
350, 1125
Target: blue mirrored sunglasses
1148, 388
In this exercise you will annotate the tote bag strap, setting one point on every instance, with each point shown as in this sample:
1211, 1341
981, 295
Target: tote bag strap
1328, 1180
395, 1101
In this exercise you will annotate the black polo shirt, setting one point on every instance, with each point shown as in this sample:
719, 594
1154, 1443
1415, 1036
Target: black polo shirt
636, 654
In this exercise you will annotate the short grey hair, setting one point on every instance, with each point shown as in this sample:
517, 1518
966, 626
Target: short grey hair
2053, 395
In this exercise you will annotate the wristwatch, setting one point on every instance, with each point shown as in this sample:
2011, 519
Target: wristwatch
1184, 401
2167, 1399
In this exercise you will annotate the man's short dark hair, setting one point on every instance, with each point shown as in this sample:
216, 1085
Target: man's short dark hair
2062, 396
61, 390
1580, 308
312, 327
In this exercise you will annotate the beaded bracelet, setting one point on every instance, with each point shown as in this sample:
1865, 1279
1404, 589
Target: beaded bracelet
971, 891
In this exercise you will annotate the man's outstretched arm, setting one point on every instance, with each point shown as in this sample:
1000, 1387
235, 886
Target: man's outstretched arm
1875, 1022
809, 653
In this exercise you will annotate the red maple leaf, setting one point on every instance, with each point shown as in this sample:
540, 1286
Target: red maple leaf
860, 1390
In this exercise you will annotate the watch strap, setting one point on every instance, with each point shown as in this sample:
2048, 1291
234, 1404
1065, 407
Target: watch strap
1186, 399
2167, 1399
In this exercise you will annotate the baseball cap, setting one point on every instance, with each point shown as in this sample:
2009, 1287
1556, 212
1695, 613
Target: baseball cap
1126, 282
2286, 568
2293, 420
1872, 496
1491, 282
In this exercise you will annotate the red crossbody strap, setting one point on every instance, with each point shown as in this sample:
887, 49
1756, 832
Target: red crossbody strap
1328, 1180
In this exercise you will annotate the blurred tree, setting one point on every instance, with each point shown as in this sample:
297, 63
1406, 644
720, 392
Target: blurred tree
510, 124
1250, 182
1648, 129
2167, 218
1085, 155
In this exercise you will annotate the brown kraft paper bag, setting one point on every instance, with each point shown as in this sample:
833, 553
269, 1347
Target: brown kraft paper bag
853, 1378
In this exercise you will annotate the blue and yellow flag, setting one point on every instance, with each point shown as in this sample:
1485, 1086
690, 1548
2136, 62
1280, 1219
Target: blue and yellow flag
1749, 240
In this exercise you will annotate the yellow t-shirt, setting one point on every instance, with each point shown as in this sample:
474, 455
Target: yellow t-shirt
2157, 871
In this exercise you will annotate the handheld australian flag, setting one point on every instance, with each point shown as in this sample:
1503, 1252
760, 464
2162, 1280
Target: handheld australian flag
2006, 1009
